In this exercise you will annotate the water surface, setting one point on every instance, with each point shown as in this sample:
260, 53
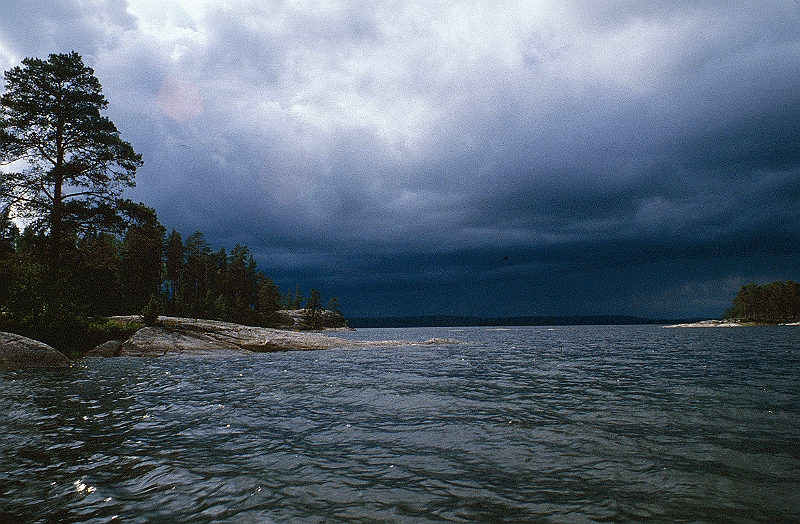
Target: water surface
563, 424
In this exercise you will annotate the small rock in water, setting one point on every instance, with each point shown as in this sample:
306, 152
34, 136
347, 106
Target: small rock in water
440, 341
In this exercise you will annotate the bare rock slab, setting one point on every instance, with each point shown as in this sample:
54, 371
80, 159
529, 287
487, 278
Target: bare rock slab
186, 336
159, 341
18, 352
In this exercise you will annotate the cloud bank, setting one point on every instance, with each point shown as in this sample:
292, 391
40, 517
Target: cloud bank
474, 157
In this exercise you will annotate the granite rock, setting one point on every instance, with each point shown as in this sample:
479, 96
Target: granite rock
17, 352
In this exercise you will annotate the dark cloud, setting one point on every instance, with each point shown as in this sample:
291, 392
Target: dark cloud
627, 157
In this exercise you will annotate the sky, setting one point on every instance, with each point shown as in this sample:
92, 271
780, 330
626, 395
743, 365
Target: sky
475, 157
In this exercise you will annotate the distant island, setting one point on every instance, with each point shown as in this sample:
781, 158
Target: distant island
774, 303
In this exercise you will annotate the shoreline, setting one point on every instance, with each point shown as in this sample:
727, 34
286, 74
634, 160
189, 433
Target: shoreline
714, 323
178, 336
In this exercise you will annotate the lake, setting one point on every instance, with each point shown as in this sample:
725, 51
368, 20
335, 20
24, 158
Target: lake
525, 424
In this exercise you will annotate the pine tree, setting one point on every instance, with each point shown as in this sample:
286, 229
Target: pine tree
269, 301
312, 314
174, 260
75, 163
141, 257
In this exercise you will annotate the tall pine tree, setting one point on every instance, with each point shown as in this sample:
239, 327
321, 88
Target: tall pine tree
74, 163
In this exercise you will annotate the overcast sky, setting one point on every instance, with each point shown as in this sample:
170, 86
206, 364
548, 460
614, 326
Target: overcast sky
476, 157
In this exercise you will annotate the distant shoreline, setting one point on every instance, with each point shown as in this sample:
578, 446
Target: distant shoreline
726, 324
469, 321
708, 324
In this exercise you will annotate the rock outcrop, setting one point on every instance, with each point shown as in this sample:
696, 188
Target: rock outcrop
176, 335
158, 341
18, 352
330, 320
106, 349
181, 336
708, 324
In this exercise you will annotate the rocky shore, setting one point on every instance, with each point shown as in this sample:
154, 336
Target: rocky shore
177, 336
174, 335
724, 324
185, 336
709, 324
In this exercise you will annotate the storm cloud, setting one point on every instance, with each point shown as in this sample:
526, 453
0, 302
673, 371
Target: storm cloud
463, 157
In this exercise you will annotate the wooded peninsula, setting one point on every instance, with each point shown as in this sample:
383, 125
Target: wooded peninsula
85, 253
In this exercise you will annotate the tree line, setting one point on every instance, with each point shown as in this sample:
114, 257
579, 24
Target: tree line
771, 303
104, 274
86, 252
201, 283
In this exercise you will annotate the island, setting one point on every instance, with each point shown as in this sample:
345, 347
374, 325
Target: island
776, 303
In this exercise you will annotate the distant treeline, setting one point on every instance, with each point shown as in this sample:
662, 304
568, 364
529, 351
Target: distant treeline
467, 321
771, 303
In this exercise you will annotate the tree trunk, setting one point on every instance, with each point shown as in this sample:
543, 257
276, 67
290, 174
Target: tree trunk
56, 217
56, 214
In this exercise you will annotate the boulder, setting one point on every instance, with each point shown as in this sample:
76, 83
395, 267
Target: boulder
106, 349
18, 352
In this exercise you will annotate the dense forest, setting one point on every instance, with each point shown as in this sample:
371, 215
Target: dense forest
773, 303
85, 252
103, 274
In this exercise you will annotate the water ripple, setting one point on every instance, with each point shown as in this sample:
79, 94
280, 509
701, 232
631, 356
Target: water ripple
525, 424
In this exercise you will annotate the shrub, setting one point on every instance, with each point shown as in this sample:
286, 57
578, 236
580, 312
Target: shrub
151, 311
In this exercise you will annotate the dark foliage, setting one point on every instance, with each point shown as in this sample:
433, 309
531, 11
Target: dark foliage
312, 314
771, 303
73, 163
202, 283
150, 312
